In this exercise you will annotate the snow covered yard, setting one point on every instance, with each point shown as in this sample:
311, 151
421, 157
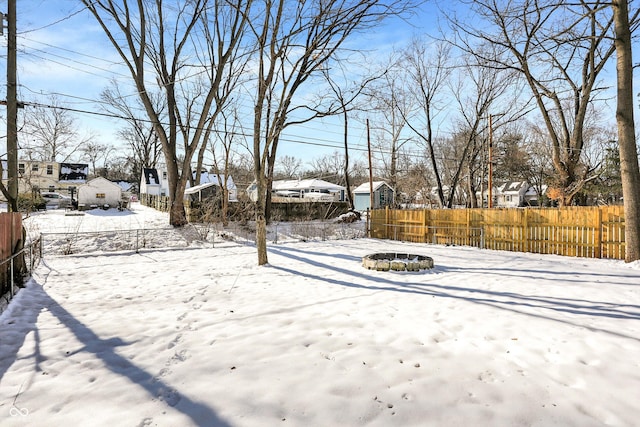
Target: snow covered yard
204, 337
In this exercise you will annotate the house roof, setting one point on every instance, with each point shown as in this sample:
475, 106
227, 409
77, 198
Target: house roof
513, 187
100, 181
532, 191
197, 188
126, 186
150, 176
303, 184
207, 178
364, 188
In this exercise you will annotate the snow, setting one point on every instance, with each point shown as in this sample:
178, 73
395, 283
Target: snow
202, 336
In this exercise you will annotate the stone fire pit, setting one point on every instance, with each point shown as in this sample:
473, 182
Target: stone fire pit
397, 261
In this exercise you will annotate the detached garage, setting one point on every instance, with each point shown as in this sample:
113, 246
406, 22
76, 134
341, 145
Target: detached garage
99, 192
383, 195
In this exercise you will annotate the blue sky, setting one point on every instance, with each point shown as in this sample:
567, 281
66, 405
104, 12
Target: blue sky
63, 52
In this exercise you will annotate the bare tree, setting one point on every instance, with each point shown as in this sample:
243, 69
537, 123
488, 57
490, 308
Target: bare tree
346, 100
630, 172
391, 99
328, 167
139, 132
51, 132
93, 152
559, 48
290, 166
223, 146
428, 71
478, 92
158, 42
294, 41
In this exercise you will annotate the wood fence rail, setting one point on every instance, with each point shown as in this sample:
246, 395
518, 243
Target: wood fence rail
591, 232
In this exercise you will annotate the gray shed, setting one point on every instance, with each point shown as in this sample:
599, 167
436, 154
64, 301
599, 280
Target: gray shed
383, 195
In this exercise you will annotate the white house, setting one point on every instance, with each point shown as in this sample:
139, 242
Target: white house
512, 194
47, 176
155, 182
303, 190
150, 183
99, 192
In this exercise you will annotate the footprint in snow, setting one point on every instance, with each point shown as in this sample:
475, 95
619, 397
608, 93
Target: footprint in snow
169, 395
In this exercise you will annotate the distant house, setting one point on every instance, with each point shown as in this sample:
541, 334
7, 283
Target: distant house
533, 196
154, 182
302, 190
512, 194
211, 181
47, 176
99, 192
383, 195
150, 183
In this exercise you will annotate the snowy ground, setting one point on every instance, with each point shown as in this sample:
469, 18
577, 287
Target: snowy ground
202, 336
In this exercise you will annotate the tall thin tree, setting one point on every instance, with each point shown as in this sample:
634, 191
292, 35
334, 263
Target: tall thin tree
630, 172
294, 41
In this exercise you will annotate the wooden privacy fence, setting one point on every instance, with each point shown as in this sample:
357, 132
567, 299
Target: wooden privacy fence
10, 235
592, 232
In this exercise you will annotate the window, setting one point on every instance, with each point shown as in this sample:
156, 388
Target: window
21, 168
34, 167
100, 196
49, 169
164, 175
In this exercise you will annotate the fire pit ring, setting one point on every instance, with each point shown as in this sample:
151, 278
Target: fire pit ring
386, 261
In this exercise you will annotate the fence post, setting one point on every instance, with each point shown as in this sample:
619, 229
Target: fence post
11, 277
525, 230
137, 234
386, 222
425, 230
467, 239
598, 234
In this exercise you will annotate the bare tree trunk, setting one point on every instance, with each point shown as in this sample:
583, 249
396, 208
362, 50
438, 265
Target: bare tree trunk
346, 158
626, 132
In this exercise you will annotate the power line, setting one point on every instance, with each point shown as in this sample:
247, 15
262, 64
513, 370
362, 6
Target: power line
75, 52
71, 15
246, 135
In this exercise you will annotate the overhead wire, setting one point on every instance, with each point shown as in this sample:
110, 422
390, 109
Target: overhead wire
51, 24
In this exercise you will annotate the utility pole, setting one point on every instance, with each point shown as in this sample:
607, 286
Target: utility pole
490, 201
371, 199
12, 109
